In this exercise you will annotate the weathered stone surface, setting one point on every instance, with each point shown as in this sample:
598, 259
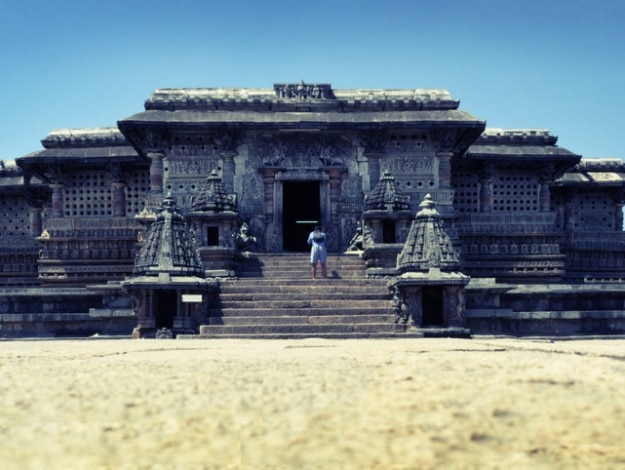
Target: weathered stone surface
266, 164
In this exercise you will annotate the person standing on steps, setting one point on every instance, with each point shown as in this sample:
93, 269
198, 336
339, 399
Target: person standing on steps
318, 251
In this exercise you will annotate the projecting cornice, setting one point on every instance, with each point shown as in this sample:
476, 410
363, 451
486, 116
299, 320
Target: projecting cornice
294, 96
78, 138
521, 144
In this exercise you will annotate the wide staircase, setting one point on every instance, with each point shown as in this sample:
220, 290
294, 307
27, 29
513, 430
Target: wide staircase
275, 297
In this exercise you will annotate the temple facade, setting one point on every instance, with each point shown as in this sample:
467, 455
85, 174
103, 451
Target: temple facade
536, 231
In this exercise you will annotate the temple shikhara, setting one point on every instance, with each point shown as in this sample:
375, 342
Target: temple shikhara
191, 218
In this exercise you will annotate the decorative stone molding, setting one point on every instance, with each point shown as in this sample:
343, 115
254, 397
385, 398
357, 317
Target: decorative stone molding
303, 91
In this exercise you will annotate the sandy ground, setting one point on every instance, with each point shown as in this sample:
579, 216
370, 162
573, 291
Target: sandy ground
312, 404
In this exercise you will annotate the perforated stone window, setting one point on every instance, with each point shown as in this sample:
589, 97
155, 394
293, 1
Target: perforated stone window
466, 198
594, 211
88, 194
137, 187
14, 217
516, 193
408, 185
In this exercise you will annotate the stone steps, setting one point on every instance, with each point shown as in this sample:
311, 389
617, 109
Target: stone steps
292, 335
253, 295
310, 304
274, 297
297, 266
309, 284
302, 319
297, 311
310, 329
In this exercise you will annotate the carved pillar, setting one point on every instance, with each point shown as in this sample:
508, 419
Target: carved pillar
546, 175
444, 169
454, 306
36, 226
335, 193
145, 309
58, 200
269, 178
228, 170
156, 171
413, 298
486, 190
403, 227
376, 230
618, 216
544, 196
373, 149
119, 199
374, 168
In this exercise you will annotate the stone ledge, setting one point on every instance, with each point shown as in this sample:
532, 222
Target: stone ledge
570, 315
108, 312
489, 313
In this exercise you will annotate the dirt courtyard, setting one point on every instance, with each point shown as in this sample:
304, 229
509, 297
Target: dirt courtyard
312, 404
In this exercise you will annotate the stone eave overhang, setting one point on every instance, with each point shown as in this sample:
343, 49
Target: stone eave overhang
595, 172
12, 182
520, 152
193, 119
431, 277
169, 282
38, 162
90, 154
602, 179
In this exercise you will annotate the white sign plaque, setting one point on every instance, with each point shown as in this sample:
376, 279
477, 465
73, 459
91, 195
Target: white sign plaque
192, 298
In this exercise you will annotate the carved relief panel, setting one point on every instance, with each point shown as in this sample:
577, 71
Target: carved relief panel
303, 151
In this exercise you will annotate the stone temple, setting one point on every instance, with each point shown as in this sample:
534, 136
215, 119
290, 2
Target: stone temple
191, 218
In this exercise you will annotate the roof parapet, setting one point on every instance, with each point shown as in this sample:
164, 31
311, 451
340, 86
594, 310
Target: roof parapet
517, 136
600, 164
296, 93
92, 137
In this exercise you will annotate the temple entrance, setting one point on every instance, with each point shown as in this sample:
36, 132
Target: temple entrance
432, 306
301, 208
165, 308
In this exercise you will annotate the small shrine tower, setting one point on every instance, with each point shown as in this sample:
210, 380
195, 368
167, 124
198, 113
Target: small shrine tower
429, 290
168, 287
386, 220
214, 218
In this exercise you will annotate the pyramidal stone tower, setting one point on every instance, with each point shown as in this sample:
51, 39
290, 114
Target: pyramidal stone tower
428, 247
168, 287
429, 292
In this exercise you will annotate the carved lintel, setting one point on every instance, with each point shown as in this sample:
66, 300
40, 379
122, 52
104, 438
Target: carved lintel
374, 143
149, 139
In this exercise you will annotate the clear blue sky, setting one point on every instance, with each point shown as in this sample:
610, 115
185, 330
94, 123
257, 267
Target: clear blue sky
556, 64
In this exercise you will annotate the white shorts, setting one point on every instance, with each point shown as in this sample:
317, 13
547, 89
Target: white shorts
318, 253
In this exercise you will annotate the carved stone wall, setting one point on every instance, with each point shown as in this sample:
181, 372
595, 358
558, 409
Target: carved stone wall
303, 150
185, 168
87, 193
137, 188
14, 218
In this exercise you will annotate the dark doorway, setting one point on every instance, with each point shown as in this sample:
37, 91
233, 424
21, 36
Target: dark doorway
212, 236
433, 307
165, 308
388, 231
301, 211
